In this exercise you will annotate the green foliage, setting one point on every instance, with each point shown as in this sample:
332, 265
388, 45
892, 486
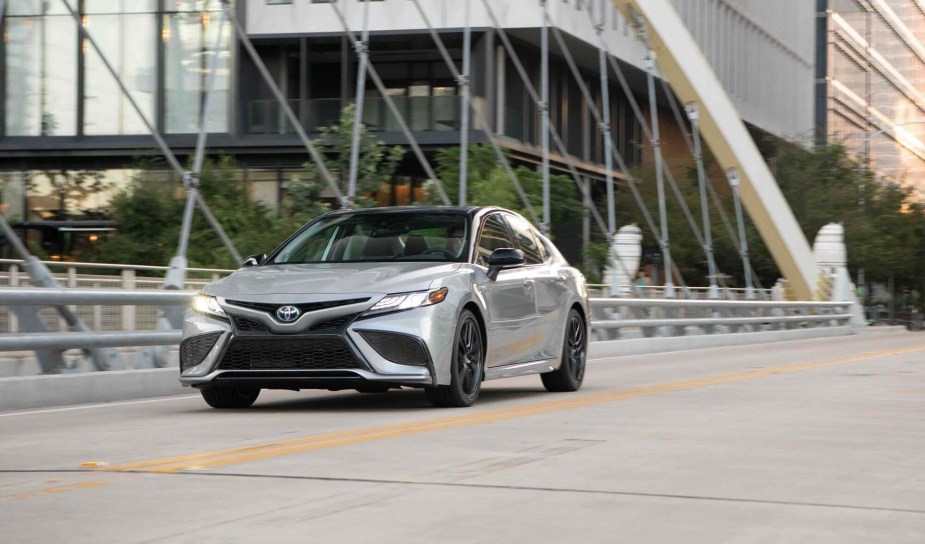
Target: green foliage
150, 211
489, 184
887, 236
822, 186
377, 164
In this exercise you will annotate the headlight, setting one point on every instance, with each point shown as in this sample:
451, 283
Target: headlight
204, 304
407, 301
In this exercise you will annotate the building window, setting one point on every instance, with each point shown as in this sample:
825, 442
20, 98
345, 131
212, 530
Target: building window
189, 38
126, 32
55, 81
41, 72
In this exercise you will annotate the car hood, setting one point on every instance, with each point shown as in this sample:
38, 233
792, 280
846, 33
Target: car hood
330, 278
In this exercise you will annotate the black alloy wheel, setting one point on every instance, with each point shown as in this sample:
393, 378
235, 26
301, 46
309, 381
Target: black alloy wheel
229, 397
467, 368
571, 373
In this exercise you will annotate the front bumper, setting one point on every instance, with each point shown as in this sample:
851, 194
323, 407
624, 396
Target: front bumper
367, 364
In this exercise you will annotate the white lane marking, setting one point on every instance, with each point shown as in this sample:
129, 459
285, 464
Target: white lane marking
100, 405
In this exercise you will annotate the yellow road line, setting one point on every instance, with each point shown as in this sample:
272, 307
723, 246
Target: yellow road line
217, 458
56, 490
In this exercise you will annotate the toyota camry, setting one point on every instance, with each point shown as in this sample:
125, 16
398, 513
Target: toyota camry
439, 298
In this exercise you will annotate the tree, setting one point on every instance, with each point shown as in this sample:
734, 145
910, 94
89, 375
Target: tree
377, 165
489, 184
150, 211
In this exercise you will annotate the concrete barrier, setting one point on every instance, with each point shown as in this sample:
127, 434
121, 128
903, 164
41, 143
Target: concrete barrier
643, 346
62, 389
22, 392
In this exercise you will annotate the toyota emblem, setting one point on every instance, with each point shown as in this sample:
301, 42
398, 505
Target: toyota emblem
287, 314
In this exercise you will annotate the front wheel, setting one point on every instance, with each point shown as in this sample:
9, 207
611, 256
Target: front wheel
571, 372
466, 368
230, 397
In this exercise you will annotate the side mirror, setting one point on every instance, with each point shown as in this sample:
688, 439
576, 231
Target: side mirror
504, 257
255, 260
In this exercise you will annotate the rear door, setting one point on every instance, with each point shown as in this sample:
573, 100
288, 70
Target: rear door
511, 299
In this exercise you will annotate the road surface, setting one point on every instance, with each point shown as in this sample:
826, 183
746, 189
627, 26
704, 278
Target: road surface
812, 441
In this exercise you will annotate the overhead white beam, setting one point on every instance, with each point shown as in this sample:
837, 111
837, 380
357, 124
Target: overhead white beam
682, 63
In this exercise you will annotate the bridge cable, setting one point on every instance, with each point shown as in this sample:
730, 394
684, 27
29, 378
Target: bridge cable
362, 51
480, 118
693, 113
649, 136
659, 169
604, 124
589, 103
637, 111
465, 111
313, 152
412, 141
714, 196
557, 140
543, 106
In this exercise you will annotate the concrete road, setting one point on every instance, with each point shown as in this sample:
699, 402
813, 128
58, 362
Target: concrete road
813, 441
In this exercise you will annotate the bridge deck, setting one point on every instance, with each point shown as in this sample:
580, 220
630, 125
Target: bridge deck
809, 441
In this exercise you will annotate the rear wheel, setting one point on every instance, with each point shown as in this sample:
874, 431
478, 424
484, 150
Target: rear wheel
230, 397
571, 372
466, 369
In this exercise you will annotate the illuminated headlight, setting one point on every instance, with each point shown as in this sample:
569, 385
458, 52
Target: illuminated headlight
407, 301
206, 305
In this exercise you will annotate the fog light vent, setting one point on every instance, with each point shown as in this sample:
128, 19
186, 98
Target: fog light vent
195, 348
398, 348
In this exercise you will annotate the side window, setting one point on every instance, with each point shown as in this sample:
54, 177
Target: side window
494, 236
533, 250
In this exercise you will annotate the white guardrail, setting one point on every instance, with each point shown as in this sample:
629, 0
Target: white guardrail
107, 316
611, 317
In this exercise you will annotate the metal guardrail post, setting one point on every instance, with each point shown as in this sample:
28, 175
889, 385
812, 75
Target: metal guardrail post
52, 361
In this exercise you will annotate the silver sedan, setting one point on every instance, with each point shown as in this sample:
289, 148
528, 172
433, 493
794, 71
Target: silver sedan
439, 298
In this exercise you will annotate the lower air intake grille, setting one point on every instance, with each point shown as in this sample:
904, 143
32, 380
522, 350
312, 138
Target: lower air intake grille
398, 348
327, 353
195, 348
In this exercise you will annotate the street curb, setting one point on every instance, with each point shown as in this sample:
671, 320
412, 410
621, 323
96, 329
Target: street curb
645, 346
23, 392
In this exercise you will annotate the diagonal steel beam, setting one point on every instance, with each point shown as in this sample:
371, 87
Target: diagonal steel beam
390, 103
681, 62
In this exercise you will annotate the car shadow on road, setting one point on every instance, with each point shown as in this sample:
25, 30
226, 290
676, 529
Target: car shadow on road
403, 400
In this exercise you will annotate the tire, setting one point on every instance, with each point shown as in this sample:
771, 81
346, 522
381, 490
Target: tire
467, 367
571, 373
230, 397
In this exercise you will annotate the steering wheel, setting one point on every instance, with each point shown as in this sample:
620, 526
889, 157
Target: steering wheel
444, 252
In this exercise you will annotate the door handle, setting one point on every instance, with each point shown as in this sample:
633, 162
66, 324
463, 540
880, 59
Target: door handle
528, 284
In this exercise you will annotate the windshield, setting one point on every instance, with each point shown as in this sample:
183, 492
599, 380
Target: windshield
374, 237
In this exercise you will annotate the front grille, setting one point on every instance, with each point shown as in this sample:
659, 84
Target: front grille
305, 308
248, 325
398, 348
195, 348
334, 324
322, 353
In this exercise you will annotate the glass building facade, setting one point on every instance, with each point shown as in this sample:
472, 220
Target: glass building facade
56, 84
871, 92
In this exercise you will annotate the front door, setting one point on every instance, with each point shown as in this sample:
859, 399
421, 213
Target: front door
511, 301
